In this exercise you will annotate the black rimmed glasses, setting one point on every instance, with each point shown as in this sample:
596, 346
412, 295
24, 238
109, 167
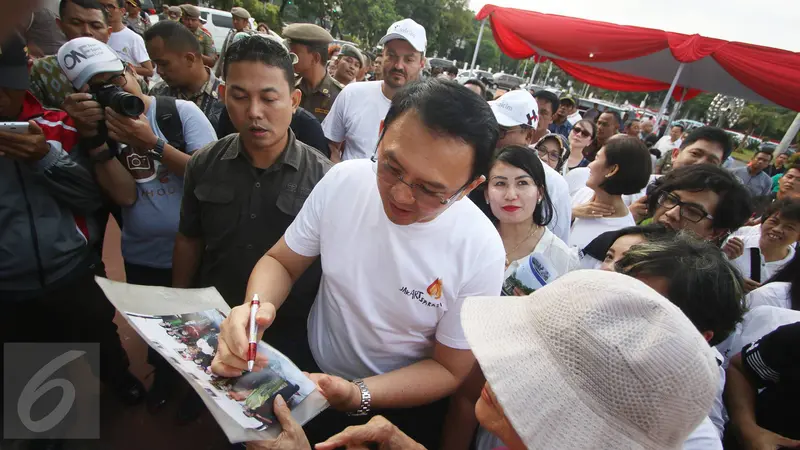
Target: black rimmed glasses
689, 211
422, 195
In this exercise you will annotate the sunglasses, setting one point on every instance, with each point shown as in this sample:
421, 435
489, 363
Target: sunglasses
583, 132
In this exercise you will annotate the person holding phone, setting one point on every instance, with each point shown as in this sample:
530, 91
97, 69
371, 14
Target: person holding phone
47, 264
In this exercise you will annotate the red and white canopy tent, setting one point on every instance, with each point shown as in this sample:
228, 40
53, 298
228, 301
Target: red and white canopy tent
629, 58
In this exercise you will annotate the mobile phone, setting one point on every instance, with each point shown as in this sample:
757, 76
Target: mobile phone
14, 127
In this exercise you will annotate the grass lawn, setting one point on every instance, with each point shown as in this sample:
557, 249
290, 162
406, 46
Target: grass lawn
743, 154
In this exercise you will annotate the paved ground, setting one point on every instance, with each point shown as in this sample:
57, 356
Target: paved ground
133, 428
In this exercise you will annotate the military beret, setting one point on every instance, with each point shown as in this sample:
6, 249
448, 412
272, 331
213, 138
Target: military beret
190, 10
240, 13
349, 50
307, 33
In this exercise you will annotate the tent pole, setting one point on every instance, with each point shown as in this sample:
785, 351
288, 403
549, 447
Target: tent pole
669, 95
477, 44
794, 128
677, 108
533, 71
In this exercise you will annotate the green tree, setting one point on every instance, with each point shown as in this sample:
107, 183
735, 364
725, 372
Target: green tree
455, 22
366, 20
261, 12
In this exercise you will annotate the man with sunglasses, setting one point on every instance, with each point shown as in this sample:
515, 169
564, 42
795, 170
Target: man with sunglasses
400, 253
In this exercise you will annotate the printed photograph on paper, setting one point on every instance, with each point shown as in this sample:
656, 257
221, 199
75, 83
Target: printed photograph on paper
191, 340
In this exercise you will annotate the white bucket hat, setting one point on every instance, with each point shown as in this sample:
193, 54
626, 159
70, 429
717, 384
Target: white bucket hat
516, 108
596, 360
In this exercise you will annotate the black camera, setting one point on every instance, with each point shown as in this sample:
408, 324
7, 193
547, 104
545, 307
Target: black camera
114, 97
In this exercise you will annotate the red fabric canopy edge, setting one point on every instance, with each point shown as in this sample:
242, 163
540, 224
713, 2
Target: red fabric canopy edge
772, 73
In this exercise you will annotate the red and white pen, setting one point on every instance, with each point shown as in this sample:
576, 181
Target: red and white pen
251, 350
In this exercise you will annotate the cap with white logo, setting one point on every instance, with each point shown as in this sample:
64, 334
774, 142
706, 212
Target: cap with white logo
516, 108
407, 30
82, 58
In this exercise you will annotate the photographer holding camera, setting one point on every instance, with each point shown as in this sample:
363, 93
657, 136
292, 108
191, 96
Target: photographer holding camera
152, 138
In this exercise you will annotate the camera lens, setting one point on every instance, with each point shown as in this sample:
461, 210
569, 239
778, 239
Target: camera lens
127, 104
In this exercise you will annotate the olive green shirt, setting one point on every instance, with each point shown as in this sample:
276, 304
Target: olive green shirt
206, 43
319, 100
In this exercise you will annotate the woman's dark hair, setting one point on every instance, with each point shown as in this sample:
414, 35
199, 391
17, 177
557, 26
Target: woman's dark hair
701, 281
599, 246
707, 177
448, 108
528, 160
635, 166
587, 123
790, 273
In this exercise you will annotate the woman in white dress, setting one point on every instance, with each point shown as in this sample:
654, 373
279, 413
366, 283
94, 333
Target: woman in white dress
621, 167
520, 207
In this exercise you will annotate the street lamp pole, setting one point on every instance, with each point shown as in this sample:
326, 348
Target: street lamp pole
477, 44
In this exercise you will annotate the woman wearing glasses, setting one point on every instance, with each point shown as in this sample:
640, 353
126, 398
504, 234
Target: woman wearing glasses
581, 135
622, 166
553, 150
521, 209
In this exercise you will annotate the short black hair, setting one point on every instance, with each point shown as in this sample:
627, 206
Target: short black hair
86, 4
701, 281
616, 115
550, 97
257, 48
452, 70
528, 160
789, 209
121, 3
635, 165
711, 134
764, 151
630, 123
315, 47
790, 273
176, 37
736, 203
477, 82
683, 128
600, 245
446, 107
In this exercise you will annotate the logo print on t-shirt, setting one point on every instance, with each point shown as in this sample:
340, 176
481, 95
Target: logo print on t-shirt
435, 289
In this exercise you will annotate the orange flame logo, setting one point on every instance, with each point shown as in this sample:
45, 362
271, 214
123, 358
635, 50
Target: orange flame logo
435, 289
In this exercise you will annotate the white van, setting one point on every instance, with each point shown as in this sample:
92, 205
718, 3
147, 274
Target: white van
219, 23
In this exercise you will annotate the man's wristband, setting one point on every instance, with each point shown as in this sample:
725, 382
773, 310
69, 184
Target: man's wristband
366, 399
101, 156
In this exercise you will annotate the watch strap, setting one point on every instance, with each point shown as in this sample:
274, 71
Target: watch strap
366, 399
158, 151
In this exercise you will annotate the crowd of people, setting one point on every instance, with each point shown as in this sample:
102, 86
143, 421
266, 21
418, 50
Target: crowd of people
452, 272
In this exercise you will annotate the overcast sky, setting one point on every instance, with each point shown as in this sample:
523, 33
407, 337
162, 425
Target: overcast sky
772, 23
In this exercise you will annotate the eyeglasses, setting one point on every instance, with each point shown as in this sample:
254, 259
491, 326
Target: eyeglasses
689, 211
546, 153
422, 195
582, 132
505, 130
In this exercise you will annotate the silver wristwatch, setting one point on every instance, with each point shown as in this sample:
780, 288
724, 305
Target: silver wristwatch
366, 399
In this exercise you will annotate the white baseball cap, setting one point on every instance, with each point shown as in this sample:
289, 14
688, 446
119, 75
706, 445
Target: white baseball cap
594, 360
516, 108
82, 58
408, 30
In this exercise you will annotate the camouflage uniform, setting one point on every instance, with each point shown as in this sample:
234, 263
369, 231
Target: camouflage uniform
206, 43
207, 99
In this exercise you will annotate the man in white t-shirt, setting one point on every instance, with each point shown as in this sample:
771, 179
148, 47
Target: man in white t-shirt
517, 113
671, 141
355, 121
401, 249
128, 45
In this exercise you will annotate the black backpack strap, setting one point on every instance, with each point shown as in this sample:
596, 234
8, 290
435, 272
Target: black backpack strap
169, 121
755, 264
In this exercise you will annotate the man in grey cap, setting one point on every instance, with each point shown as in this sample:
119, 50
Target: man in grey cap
241, 24
349, 65
356, 119
310, 43
191, 20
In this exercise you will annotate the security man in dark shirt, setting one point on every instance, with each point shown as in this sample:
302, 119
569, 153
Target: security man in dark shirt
310, 43
241, 193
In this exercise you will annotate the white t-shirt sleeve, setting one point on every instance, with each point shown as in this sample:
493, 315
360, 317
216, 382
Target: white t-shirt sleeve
704, 437
197, 130
334, 125
303, 235
487, 280
138, 50
558, 190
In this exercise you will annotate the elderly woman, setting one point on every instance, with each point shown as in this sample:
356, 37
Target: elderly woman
546, 388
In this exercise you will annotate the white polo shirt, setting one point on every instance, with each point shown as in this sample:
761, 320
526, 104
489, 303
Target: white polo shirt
388, 292
356, 118
751, 237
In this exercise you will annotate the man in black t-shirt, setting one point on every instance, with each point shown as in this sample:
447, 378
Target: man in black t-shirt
766, 419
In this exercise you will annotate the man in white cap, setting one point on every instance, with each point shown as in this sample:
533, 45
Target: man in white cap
517, 113
356, 118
